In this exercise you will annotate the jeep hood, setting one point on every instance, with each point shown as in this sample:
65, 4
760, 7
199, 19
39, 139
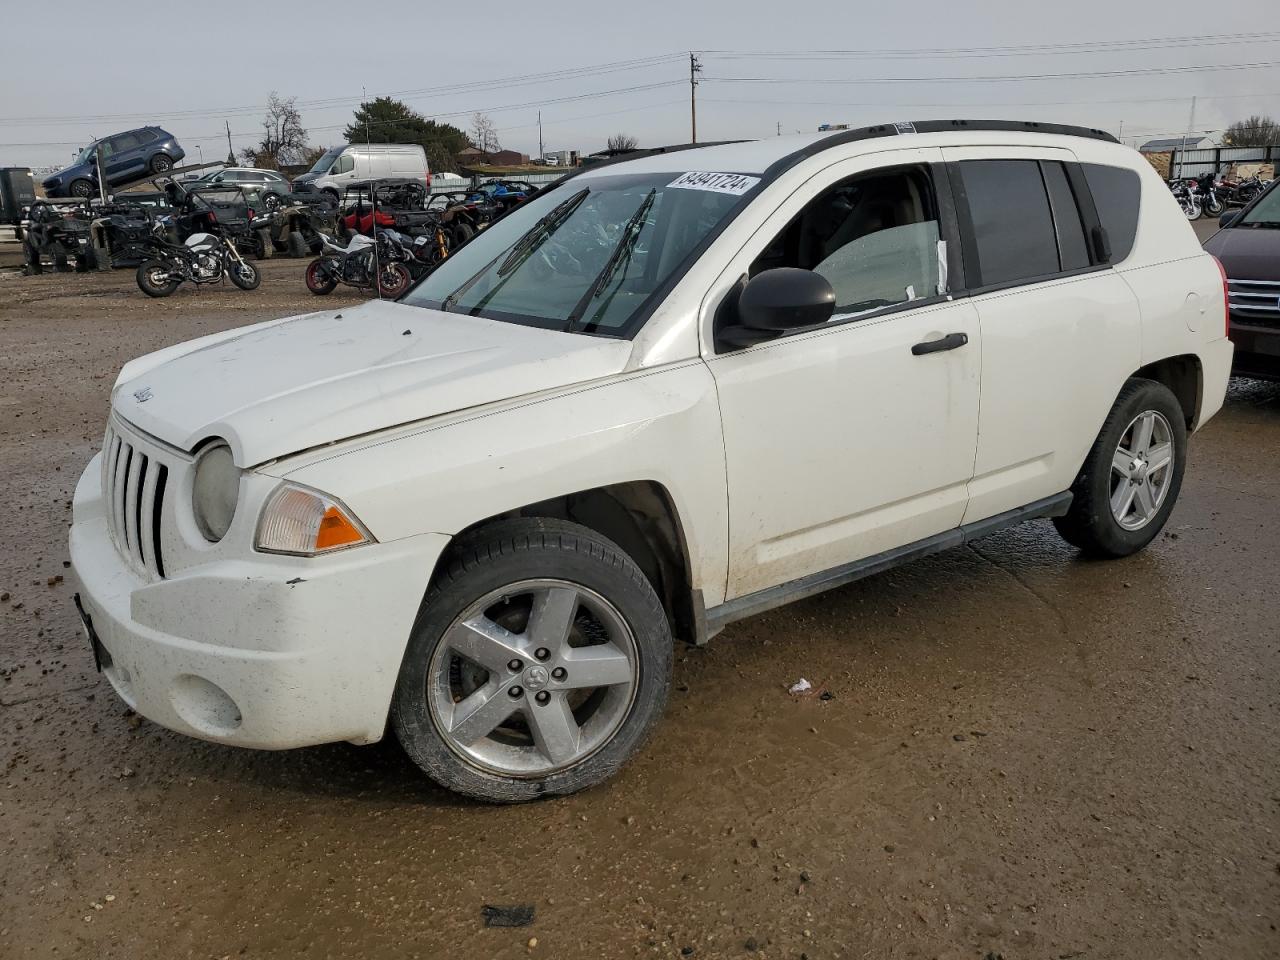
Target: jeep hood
289, 385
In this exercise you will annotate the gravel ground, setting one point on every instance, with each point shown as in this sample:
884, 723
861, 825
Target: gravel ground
1025, 755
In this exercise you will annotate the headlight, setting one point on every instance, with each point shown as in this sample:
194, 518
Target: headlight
215, 491
304, 523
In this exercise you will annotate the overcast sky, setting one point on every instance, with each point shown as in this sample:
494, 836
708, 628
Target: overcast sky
80, 70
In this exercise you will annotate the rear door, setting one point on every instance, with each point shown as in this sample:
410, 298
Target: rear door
1060, 330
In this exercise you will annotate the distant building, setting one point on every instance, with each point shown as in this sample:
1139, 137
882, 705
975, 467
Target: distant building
1177, 143
496, 158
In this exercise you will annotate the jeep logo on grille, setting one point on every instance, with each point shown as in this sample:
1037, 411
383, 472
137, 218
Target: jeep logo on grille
143, 395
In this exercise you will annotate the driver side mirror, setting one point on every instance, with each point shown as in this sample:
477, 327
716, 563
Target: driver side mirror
1227, 219
773, 303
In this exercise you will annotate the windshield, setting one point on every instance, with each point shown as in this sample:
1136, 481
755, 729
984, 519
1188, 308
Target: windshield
586, 256
326, 160
1265, 213
86, 154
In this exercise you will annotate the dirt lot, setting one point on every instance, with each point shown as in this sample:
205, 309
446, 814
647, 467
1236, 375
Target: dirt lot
1026, 755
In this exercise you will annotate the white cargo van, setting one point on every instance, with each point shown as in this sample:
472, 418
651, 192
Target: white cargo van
350, 162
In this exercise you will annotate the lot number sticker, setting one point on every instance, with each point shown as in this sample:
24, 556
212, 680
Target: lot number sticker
734, 184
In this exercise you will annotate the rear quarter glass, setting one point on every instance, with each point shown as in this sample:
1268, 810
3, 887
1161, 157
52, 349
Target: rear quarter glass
1117, 195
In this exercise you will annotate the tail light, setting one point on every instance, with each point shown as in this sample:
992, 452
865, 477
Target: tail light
1226, 299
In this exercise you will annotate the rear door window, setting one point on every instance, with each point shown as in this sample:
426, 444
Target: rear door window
1116, 192
1012, 222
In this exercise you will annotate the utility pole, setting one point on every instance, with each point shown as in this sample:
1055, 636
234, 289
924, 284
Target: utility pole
695, 68
541, 150
779, 128
231, 154
1191, 125
1120, 135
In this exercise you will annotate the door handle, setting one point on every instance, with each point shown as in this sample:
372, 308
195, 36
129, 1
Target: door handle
950, 342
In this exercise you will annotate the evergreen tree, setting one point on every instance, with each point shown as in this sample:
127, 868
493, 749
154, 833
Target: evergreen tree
385, 120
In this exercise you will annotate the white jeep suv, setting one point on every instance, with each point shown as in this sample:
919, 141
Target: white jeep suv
671, 392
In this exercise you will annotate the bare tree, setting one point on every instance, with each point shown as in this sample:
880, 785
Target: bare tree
284, 140
1254, 132
623, 141
484, 135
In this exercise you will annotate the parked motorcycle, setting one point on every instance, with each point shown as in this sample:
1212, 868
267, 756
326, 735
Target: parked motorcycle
1238, 193
1187, 197
363, 263
1206, 189
421, 254
201, 258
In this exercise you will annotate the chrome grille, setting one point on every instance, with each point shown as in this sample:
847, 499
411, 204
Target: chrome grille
133, 485
1255, 302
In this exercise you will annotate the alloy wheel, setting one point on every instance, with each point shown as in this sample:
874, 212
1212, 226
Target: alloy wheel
533, 678
1141, 469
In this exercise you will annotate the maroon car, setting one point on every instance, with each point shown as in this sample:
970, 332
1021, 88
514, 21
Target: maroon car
1248, 246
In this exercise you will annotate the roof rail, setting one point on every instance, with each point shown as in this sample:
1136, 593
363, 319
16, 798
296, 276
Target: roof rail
932, 126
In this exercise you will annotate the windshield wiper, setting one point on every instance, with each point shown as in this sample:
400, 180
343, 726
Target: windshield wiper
541, 230
535, 234
631, 231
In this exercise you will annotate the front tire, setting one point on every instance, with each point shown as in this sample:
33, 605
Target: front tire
244, 275
82, 189
539, 662
393, 280
155, 280
1131, 478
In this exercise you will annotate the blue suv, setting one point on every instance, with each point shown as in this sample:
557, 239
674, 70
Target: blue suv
125, 157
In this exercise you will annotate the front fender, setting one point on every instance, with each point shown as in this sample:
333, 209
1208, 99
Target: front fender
658, 425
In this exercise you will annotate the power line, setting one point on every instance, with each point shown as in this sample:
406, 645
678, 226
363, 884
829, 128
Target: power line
455, 113
1037, 49
573, 73
1003, 78
989, 104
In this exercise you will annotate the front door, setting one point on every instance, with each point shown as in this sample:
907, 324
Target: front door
856, 437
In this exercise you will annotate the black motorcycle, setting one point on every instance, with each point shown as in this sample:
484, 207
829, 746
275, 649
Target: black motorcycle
201, 258
1206, 188
364, 263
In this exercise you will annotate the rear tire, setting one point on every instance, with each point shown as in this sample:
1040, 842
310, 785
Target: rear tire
462, 232
149, 276
317, 282
1119, 505
543, 726
161, 163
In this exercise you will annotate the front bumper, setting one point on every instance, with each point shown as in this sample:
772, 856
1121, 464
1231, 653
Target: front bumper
259, 651
1257, 350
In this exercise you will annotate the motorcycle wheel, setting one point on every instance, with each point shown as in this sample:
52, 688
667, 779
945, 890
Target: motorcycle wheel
393, 280
317, 282
1213, 206
155, 280
1191, 210
244, 275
